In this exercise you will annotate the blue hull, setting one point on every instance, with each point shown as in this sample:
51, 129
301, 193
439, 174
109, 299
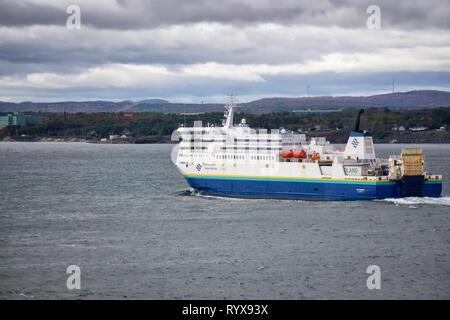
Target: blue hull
310, 189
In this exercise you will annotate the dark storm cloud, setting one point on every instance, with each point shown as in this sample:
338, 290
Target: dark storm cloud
138, 14
20, 13
52, 46
342, 13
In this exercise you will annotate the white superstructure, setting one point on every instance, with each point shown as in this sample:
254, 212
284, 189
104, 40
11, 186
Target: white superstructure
236, 149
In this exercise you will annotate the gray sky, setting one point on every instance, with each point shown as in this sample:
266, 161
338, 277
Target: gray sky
198, 50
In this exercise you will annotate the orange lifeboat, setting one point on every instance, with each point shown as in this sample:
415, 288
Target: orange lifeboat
287, 153
315, 156
300, 154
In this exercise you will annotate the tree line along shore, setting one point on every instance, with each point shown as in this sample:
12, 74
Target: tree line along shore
427, 125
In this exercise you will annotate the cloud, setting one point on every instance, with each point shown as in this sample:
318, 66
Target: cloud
144, 14
196, 89
206, 42
251, 46
128, 75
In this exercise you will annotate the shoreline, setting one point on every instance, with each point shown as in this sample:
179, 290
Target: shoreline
141, 140
168, 141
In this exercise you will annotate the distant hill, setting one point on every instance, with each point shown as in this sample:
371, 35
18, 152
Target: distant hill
422, 98
411, 99
153, 101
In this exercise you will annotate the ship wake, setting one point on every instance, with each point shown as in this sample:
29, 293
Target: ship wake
443, 201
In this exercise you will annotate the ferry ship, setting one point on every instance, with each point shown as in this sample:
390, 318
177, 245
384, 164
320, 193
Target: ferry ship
237, 161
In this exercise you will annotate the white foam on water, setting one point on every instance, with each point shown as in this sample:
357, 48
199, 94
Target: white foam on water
443, 201
193, 192
207, 196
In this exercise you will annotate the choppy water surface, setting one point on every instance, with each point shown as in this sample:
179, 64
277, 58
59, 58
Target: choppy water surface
124, 215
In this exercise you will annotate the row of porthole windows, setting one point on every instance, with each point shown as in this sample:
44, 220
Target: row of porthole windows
194, 148
262, 157
250, 148
257, 140
229, 156
237, 156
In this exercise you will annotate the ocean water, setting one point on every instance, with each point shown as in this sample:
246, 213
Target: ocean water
126, 217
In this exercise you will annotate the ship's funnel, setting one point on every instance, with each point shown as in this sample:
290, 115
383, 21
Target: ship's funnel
358, 118
360, 144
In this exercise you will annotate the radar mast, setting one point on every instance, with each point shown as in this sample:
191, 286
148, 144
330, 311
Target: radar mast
229, 114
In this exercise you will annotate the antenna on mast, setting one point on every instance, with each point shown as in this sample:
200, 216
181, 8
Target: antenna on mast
393, 83
231, 95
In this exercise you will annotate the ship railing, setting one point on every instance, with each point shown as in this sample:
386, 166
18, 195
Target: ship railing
432, 176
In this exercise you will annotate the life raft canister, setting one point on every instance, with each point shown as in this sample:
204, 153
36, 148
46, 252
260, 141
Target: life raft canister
314, 156
300, 154
287, 153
